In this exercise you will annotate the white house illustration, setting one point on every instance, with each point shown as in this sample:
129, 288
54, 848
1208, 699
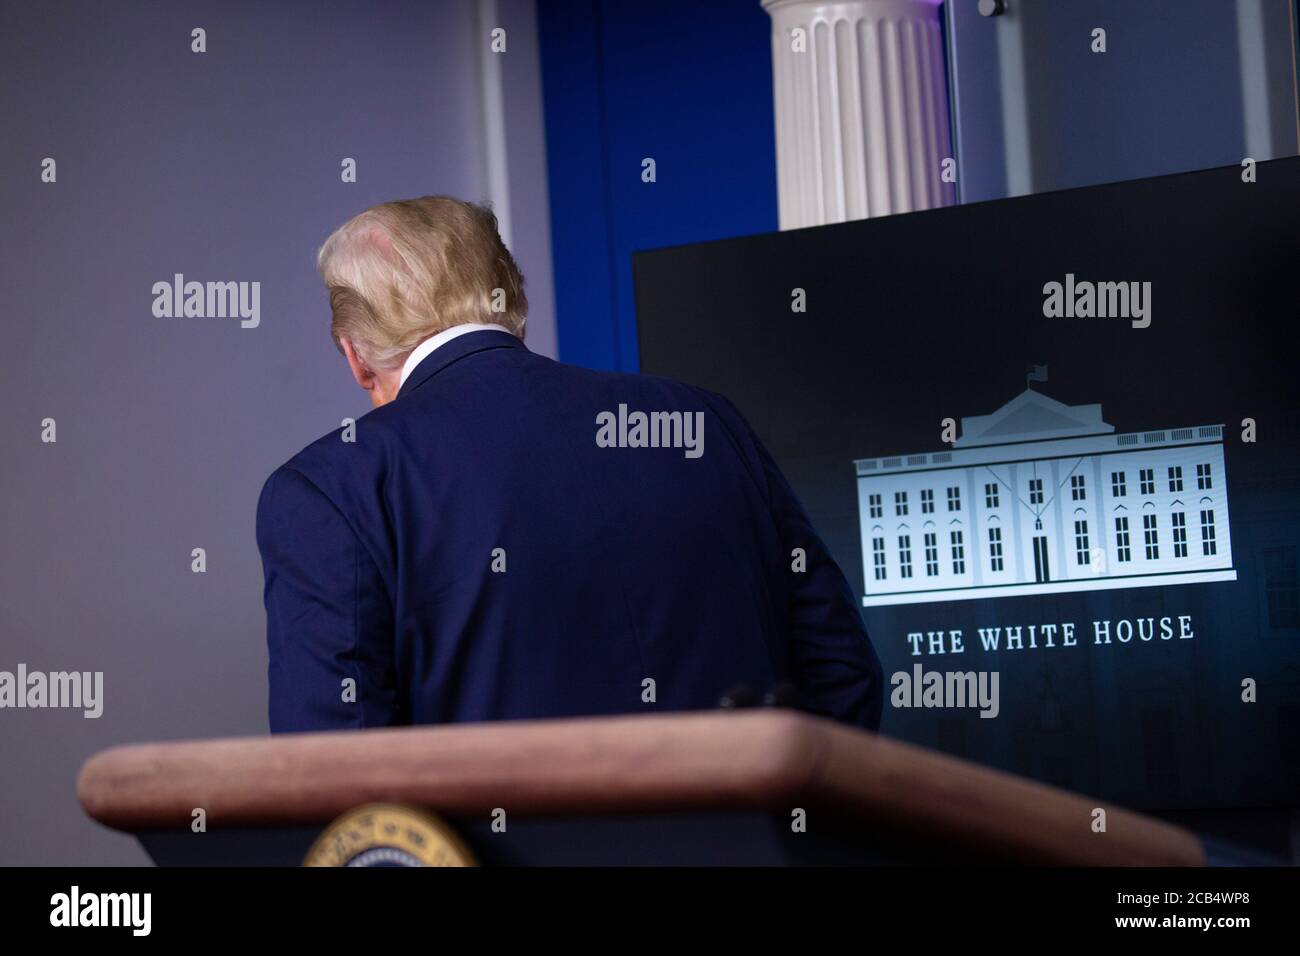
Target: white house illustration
1041, 497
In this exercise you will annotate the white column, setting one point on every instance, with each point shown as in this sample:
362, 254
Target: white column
861, 109
494, 120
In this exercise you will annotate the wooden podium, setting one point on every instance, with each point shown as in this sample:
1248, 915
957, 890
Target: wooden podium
729, 788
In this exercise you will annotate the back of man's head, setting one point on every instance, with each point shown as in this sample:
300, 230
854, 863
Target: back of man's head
403, 271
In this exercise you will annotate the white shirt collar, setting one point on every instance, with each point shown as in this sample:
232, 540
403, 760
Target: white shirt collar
425, 348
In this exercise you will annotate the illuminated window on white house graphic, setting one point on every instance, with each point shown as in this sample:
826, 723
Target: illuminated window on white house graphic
1179, 519
1208, 544
991, 495
876, 509
1035, 491
1081, 553
995, 549
1281, 587
931, 555
1077, 490
1151, 537
958, 553
900, 502
1118, 484
954, 499
1147, 481
1123, 551
1203, 480
927, 501
904, 555
1175, 478
878, 557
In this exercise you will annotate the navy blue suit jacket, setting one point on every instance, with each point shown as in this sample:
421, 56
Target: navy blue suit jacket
475, 554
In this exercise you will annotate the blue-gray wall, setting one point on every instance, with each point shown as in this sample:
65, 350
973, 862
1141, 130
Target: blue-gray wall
221, 166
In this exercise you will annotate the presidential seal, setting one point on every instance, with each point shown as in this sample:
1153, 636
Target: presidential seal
388, 834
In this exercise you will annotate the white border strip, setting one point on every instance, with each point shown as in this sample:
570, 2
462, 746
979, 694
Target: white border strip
1050, 587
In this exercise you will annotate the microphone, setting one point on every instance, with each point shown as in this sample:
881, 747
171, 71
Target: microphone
739, 697
744, 697
784, 695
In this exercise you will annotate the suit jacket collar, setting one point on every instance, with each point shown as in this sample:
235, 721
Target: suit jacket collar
454, 351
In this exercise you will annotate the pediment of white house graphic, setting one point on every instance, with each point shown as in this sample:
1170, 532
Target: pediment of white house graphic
1031, 416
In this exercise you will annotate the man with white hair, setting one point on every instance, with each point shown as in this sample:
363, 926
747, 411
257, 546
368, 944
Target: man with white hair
505, 536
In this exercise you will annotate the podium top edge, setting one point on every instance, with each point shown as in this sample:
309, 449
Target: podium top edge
768, 760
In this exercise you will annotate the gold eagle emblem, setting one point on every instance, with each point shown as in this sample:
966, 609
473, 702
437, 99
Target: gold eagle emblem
387, 834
